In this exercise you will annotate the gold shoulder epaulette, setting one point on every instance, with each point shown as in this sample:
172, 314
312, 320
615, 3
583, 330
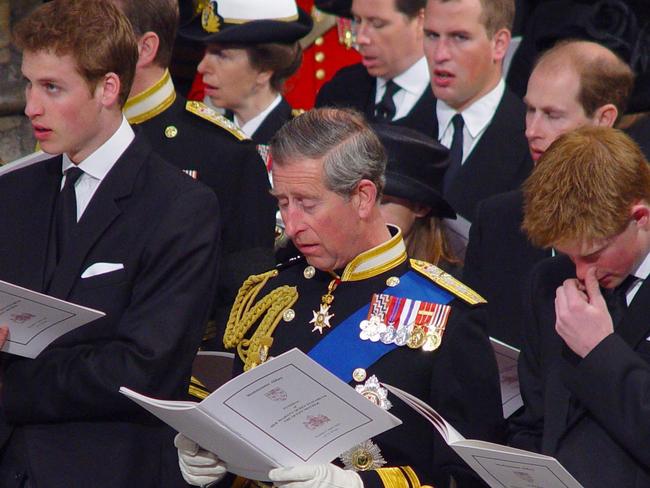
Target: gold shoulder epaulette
247, 311
207, 113
448, 282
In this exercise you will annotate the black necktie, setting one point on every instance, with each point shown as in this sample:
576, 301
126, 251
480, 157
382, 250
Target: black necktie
455, 153
616, 299
66, 211
385, 109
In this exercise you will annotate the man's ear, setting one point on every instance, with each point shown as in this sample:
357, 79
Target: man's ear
605, 115
640, 213
500, 43
147, 48
366, 194
109, 89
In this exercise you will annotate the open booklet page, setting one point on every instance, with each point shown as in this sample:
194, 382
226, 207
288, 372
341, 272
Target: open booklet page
499, 466
287, 411
35, 319
507, 356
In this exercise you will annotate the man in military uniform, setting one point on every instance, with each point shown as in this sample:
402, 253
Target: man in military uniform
203, 144
356, 304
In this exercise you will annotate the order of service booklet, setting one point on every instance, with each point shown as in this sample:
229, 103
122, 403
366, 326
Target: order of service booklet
287, 411
499, 466
35, 320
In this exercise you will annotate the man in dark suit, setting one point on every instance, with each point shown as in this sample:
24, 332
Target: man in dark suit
574, 84
477, 117
206, 146
108, 225
391, 84
328, 175
585, 365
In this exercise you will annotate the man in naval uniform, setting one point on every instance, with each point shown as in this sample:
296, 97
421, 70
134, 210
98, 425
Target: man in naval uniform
203, 144
356, 304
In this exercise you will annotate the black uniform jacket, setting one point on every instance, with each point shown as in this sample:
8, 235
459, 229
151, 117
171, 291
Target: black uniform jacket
220, 157
592, 414
459, 379
272, 123
70, 424
353, 87
499, 257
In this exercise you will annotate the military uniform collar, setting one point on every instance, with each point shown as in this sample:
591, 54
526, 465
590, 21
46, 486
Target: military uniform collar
377, 260
152, 101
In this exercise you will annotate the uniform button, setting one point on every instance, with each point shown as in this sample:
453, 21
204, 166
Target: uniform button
359, 374
288, 315
171, 132
309, 272
319, 57
392, 281
320, 74
319, 41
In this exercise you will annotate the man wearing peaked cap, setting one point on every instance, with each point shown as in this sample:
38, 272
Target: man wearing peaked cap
413, 198
204, 145
251, 49
353, 277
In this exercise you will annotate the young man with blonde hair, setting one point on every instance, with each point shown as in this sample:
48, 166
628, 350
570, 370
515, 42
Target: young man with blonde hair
584, 369
478, 118
103, 223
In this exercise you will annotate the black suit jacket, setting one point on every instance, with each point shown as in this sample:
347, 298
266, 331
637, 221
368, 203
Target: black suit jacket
592, 414
70, 425
499, 258
499, 162
235, 172
353, 87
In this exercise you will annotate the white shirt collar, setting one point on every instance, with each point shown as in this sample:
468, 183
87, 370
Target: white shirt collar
253, 124
477, 116
100, 162
414, 80
643, 270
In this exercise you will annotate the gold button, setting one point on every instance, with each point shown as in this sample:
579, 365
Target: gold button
320, 74
309, 272
319, 41
359, 374
288, 315
319, 57
171, 131
392, 281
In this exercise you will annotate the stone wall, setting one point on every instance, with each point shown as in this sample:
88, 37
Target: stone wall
16, 138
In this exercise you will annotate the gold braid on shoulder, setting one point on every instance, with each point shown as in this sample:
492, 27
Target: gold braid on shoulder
245, 312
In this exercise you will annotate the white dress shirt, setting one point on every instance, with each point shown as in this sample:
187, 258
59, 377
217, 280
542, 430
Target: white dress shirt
253, 124
96, 166
477, 117
412, 83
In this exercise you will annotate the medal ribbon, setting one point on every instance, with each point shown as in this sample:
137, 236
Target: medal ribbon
341, 350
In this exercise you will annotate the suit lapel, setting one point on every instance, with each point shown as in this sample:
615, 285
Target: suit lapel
103, 209
39, 221
635, 326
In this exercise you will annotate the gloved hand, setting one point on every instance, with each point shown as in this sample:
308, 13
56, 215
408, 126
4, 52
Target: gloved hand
315, 476
198, 466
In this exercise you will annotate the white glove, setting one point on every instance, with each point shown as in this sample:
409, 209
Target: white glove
198, 466
315, 476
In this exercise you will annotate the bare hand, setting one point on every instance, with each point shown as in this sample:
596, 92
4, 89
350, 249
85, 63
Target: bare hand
581, 315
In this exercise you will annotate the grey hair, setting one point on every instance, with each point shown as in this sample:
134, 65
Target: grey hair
348, 146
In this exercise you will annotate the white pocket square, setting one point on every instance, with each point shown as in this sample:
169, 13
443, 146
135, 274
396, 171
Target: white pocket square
101, 268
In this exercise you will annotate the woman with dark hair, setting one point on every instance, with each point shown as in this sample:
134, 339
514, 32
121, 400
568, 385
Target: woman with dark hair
251, 49
412, 199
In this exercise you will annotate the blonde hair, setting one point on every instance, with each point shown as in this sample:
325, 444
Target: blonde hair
582, 188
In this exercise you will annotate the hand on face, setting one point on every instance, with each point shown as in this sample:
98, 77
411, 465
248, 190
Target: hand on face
581, 315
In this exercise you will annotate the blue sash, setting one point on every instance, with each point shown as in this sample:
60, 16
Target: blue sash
342, 350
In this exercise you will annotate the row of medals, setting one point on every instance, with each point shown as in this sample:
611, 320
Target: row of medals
411, 335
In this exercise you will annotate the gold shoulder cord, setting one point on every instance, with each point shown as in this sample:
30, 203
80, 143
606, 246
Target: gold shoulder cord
244, 314
398, 478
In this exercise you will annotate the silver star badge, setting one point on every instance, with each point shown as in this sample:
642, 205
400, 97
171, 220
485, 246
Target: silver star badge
321, 318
